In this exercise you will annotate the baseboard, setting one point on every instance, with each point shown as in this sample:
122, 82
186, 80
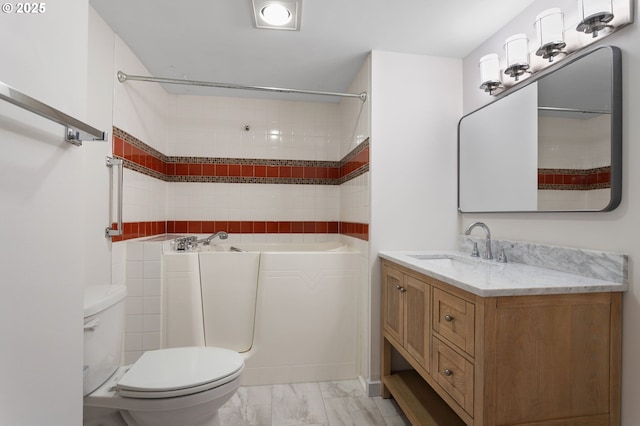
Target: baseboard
371, 387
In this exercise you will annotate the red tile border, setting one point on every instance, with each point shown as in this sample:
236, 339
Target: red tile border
146, 160
147, 229
574, 179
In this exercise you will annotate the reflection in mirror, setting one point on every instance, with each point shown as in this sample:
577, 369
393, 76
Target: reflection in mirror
553, 144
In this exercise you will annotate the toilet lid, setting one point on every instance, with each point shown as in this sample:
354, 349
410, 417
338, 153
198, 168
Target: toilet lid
180, 371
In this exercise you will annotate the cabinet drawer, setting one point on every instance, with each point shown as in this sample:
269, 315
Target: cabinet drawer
454, 319
454, 374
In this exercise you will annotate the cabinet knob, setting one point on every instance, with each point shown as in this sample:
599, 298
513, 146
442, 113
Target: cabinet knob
398, 287
447, 372
402, 289
448, 318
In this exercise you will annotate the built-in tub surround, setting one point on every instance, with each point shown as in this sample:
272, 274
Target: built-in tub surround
142, 158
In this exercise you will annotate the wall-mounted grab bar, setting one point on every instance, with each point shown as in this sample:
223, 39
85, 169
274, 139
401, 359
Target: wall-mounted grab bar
109, 232
76, 130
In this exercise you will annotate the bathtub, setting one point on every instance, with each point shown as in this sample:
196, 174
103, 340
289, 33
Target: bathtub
328, 246
290, 308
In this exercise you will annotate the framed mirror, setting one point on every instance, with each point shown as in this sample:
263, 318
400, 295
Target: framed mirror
552, 143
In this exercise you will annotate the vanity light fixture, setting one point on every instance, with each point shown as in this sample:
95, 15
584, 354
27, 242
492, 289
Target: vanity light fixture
280, 15
490, 73
517, 50
549, 32
594, 16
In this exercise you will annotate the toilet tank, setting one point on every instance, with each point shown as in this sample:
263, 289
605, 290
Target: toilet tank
103, 332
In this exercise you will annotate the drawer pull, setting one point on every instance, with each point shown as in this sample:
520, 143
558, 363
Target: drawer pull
448, 318
448, 372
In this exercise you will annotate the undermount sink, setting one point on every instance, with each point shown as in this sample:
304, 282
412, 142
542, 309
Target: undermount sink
450, 260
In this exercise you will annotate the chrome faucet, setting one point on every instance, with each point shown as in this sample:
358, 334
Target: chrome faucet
206, 241
191, 243
487, 253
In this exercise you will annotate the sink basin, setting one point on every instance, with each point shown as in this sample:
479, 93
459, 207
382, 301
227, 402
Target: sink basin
450, 260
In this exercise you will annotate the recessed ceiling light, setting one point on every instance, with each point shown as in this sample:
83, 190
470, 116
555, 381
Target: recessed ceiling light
277, 14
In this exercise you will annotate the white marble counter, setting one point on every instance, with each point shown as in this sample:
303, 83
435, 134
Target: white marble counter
489, 278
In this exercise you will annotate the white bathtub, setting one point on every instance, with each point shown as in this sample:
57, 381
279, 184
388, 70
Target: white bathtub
305, 324
328, 246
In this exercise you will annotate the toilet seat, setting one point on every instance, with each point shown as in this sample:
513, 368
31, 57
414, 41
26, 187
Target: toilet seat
175, 372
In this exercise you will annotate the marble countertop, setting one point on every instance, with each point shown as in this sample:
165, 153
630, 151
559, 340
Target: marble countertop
490, 278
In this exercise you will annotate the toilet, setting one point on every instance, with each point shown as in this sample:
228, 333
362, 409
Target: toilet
176, 386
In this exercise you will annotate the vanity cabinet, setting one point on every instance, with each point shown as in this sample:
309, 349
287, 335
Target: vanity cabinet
406, 314
551, 359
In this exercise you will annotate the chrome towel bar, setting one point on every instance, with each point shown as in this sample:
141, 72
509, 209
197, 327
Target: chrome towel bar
76, 130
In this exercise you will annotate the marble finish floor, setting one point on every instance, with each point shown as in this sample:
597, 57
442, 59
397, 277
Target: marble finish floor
340, 403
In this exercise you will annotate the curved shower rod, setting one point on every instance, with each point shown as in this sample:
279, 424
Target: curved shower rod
122, 77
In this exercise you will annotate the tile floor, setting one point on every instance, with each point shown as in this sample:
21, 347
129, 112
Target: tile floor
340, 403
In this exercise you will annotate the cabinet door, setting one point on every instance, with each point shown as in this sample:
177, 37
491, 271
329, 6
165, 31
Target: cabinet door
392, 309
416, 320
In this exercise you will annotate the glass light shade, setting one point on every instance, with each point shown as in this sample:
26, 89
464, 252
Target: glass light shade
275, 14
517, 50
590, 8
490, 68
549, 27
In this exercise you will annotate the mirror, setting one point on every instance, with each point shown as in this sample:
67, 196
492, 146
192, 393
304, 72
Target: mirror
552, 143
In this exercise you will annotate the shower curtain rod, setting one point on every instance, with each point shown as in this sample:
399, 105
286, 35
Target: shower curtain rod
122, 77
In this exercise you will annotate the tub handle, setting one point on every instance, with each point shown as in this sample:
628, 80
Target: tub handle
91, 325
110, 232
237, 249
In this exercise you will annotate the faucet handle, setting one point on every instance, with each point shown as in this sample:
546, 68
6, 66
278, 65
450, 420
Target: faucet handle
474, 251
503, 256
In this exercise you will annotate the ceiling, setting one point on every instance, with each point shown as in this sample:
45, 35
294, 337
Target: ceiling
215, 40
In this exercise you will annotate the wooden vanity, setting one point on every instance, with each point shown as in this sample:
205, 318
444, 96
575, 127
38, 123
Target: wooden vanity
533, 359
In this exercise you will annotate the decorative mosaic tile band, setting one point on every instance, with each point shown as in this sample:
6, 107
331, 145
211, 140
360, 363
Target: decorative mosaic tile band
142, 158
574, 179
148, 229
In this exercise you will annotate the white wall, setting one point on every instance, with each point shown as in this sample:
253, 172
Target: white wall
415, 107
355, 206
95, 174
46, 225
140, 109
614, 231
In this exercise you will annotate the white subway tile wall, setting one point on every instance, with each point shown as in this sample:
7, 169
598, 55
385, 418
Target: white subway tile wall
144, 198
143, 323
285, 130
355, 115
354, 200
269, 202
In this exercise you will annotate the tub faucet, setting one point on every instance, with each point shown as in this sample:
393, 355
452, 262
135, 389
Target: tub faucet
487, 253
220, 234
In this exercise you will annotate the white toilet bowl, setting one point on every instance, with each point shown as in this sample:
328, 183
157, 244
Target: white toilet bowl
179, 386
167, 387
